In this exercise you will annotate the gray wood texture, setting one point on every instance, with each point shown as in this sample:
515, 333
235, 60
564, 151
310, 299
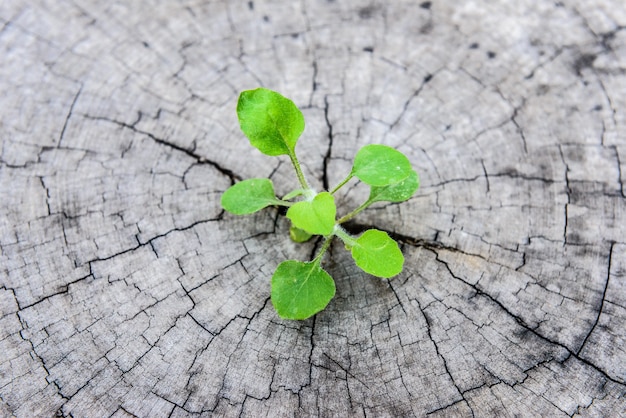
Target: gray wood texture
126, 291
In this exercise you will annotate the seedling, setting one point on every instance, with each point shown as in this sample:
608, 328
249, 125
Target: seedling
273, 125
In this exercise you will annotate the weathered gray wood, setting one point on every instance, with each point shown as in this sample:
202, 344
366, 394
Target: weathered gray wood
124, 289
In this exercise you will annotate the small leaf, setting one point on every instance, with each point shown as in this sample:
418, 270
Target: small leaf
377, 254
271, 122
249, 196
315, 217
298, 235
300, 290
398, 192
380, 165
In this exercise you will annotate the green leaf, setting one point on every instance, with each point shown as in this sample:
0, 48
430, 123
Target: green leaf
315, 217
271, 122
380, 165
249, 196
300, 290
377, 254
398, 192
298, 235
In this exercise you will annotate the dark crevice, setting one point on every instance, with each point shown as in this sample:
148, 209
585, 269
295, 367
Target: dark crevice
601, 307
189, 152
619, 173
64, 289
441, 357
416, 93
149, 242
523, 323
329, 150
519, 128
69, 115
482, 162
568, 189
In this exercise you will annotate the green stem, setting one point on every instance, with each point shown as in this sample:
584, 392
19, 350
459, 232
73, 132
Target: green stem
279, 202
354, 212
299, 173
344, 181
325, 246
344, 236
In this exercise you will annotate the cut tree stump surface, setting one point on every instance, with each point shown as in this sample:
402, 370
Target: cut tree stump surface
125, 290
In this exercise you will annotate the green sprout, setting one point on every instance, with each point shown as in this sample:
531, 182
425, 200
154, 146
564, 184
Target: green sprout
299, 289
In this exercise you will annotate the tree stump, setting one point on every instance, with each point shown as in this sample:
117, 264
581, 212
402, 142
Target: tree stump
126, 291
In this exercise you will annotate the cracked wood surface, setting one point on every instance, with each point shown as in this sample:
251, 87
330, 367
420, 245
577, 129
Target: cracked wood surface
126, 291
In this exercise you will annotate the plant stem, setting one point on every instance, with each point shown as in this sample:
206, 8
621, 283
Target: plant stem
354, 212
299, 173
344, 236
325, 246
344, 181
279, 202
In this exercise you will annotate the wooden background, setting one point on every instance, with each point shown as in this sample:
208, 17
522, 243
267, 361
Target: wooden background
126, 291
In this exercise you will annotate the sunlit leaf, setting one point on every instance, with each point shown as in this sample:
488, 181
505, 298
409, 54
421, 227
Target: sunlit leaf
377, 254
249, 196
380, 165
271, 122
398, 192
300, 290
316, 216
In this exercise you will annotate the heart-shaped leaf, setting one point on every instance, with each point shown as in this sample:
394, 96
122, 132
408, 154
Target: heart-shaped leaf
398, 192
271, 122
316, 216
300, 290
377, 254
249, 196
380, 165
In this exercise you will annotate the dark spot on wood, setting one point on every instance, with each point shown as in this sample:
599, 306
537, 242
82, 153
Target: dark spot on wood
474, 45
266, 18
607, 38
542, 89
510, 171
523, 334
491, 55
577, 196
426, 5
367, 12
251, 5
368, 49
584, 61
574, 238
448, 127
146, 44
426, 28
597, 108
295, 35
428, 78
